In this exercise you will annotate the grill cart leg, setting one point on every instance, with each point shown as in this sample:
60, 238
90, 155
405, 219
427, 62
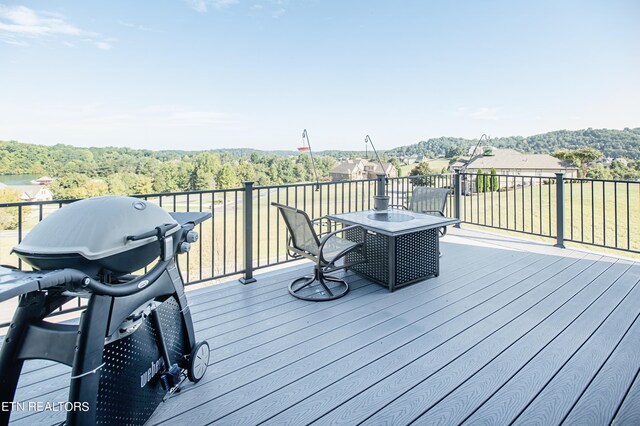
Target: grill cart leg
178, 286
85, 375
29, 308
171, 377
28, 338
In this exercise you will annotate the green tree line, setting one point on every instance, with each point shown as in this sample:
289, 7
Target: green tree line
86, 172
612, 143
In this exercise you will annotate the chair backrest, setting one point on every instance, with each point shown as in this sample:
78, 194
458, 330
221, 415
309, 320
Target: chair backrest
428, 199
302, 233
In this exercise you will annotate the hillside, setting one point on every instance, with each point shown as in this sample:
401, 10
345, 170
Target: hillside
612, 143
22, 158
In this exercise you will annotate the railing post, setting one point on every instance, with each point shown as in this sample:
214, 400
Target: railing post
456, 194
382, 180
247, 209
559, 210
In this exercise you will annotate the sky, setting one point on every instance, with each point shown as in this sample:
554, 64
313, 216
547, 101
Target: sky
207, 74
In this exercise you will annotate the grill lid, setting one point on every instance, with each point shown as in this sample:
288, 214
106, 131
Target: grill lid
95, 228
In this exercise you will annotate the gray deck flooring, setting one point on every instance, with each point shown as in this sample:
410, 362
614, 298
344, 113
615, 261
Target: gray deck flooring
509, 333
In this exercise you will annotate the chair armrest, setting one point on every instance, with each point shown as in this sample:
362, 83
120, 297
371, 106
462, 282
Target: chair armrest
433, 211
402, 206
328, 236
318, 221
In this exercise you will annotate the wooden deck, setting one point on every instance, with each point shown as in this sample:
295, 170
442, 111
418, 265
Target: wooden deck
510, 332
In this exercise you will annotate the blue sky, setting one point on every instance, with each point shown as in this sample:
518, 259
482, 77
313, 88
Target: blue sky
202, 74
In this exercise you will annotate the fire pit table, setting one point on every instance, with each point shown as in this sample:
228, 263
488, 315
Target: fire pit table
401, 246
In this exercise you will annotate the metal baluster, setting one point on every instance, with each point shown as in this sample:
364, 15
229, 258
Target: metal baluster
628, 221
213, 233
268, 207
604, 215
224, 233
615, 210
200, 242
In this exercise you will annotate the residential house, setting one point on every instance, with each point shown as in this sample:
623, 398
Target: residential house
509, 162
33, 192
44, 180
361, 169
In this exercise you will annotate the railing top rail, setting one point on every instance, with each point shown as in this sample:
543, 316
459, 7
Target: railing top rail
299, 184
603, 180
304, 184
153, 195
553, 177
512, 176
421, 176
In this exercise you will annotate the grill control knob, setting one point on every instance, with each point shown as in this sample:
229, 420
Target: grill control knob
184, 247
192, 236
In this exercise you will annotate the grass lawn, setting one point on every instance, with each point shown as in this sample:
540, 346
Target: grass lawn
591, 215
435, 165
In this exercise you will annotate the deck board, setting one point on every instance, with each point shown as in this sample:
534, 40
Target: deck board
510, 331
508, 402
402, 316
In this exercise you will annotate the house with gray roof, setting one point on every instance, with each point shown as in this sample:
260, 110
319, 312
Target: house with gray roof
513, 163
509, 162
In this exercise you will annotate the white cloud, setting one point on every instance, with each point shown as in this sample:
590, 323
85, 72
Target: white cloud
19, 24
485, 113
136, 26
278, 13
103, 45
202, 6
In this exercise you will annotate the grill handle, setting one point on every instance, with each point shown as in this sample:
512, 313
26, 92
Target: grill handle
75, 280
158, 231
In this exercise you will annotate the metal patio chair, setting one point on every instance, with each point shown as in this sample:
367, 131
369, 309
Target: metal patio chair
324, 248
428, 200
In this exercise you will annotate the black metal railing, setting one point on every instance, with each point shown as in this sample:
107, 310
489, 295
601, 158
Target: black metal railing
603, 213
524, 204
246, 233
595, 212
269, 232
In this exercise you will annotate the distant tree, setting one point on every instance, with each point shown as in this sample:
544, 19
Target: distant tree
480, 181
455, 152
69, 187
142, 185
117, 184
599, 172
205, 168
396, 163
147, 166
246, 172
421, 170
227, 177
624, 170
495, 184
95, 188
9, 215
165, 178
580, 157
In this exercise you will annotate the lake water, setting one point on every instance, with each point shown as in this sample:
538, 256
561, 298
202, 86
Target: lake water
17, 179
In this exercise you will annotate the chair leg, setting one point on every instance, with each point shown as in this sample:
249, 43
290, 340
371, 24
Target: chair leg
314, 287
308, 280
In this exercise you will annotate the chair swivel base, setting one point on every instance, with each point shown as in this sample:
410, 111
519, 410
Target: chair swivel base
318, 288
